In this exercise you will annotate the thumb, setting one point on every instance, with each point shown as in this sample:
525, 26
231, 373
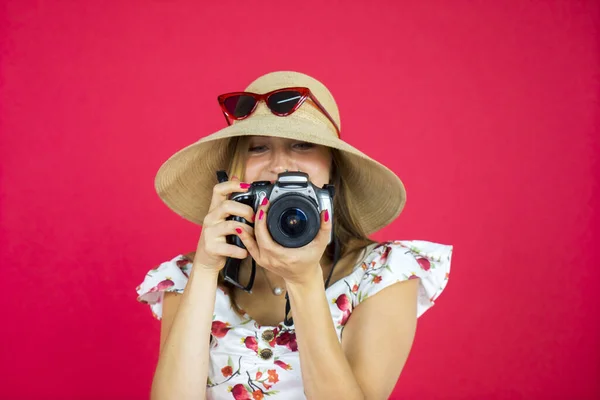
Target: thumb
324, 233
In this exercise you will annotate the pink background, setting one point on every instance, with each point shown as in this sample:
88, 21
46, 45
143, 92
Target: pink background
488, 111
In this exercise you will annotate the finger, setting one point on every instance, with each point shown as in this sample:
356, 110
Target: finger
324, 234
230, 250
230, 228
229, 208
263, 237
221, 191
247, 238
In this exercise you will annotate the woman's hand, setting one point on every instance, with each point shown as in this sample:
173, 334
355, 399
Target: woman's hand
294, 265
213, 249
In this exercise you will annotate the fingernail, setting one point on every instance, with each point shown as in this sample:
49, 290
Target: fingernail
260, 214
238, 230
244, 185
326, 215
264, 202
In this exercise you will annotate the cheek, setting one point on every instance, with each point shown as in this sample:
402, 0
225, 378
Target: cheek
318, 170
253, 170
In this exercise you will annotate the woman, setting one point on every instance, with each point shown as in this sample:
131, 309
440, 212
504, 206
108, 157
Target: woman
316, 323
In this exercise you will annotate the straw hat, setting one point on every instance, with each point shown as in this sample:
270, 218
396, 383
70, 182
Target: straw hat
185, 181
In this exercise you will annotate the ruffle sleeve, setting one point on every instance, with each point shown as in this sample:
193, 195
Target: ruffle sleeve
402, 260
170, 276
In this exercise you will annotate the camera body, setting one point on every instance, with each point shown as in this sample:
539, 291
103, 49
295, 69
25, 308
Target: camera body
293, 219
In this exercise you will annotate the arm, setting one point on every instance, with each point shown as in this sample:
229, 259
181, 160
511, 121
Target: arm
368, 362
326, 373
183, 363
182, 367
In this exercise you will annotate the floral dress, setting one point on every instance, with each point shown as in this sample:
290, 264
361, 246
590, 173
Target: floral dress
249, 361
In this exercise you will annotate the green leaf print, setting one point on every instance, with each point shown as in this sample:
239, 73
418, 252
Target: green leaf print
229, 362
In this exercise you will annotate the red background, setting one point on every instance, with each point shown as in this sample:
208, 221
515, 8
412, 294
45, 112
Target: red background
488, 111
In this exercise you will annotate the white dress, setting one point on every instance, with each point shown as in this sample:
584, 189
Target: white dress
249, 361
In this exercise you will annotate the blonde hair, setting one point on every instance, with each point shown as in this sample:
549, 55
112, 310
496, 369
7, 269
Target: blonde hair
351, 236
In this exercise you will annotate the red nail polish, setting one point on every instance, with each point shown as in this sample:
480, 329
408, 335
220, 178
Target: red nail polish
244, 185
326, 215
260, 214
238, 230
264, 202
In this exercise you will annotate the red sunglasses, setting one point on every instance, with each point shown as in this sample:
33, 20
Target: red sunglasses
281, 102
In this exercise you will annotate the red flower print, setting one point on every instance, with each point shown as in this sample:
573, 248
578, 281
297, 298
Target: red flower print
283, 365
251, 343
345, 317
182, 263
385, 255
219, 329
364, 266
413, 276
258, 375
343, 302
424, 263
164, 285
274, 341
267, 386
257, 395
240, 393
377, 279
227, 371
288, 340
355, 288
273, 377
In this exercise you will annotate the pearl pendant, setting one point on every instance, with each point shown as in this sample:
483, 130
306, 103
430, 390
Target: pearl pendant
277, 291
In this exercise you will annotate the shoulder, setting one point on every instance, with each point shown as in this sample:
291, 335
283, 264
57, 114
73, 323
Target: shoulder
169, 277
401, 260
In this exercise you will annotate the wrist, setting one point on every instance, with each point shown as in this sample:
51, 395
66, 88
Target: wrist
310, 281
204, 271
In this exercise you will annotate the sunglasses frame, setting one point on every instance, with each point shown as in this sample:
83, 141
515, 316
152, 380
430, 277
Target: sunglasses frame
304, 92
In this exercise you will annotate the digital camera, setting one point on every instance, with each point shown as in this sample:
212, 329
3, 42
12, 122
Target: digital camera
293, 218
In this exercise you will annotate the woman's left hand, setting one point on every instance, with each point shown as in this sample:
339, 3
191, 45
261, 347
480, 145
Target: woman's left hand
294, 265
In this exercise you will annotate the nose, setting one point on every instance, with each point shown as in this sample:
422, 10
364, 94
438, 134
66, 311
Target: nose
281, 162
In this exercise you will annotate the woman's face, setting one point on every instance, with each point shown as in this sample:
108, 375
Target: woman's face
269, 156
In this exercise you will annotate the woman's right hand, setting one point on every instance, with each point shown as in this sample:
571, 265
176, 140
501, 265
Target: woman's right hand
213, 249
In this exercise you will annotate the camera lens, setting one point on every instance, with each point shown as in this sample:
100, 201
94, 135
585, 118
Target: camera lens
293, 222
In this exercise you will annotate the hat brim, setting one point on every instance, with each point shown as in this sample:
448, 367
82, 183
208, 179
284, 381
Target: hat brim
185, 181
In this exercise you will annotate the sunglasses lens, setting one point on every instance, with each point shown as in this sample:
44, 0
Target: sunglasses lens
239, 105
284, 102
